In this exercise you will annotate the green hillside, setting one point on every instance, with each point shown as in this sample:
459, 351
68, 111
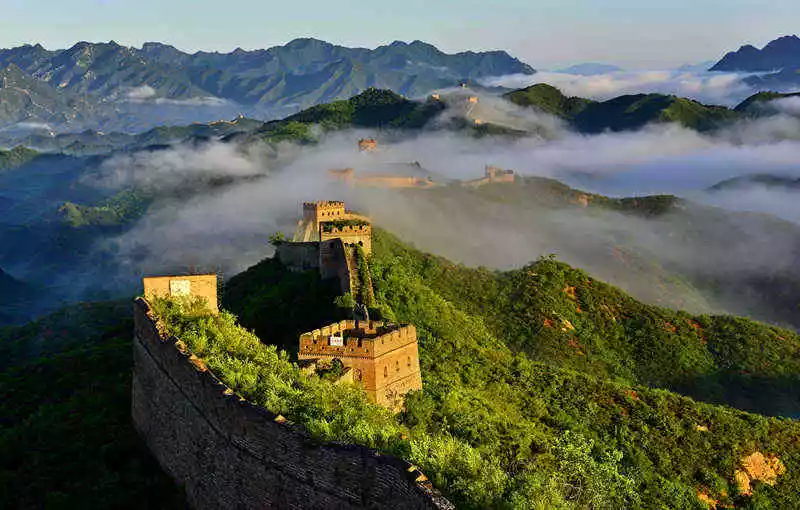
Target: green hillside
66, 437
16, 157
540, 378
550, 100
373, 108
622, 113
536, 381
124, 207
759, 103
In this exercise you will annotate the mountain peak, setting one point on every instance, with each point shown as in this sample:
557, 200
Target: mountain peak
781, 54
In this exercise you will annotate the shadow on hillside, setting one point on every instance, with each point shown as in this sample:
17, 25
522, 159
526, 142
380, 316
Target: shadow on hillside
770, 396
280, 305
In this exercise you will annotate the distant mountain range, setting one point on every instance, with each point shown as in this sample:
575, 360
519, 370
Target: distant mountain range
591, 69
780, 60
109, 86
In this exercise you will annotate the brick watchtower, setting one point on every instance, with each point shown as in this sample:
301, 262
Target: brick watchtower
384, 358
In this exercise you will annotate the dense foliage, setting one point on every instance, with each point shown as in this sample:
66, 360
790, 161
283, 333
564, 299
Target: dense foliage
549, 99
537, 390
622, 113
122, 208
66, 438
373, 108
16, 157
532, 389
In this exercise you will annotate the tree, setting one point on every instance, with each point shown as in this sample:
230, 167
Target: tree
277, 239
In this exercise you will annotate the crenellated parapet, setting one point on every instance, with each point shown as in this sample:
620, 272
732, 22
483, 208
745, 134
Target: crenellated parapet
351, 232
384, 357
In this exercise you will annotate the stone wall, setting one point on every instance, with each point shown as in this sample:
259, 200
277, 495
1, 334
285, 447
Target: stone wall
299, 256
228, 453
350, 234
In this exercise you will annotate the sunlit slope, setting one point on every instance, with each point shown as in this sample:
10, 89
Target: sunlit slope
552, 377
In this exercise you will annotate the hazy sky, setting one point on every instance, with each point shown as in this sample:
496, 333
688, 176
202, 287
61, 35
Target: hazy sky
544, 33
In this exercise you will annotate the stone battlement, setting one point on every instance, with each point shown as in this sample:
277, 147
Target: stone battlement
323, 205
344, 229
353, 338
384, 358
351, 235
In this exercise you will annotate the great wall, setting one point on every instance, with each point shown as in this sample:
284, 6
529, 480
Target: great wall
392, 180
228, 453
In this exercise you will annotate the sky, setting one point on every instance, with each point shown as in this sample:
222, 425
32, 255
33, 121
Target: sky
636, 34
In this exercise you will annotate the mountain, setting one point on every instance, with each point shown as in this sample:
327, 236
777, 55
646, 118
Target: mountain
780, 60
536, 380
16, 157
590, 69
622, 113
25, 99
124, 84
549, 99
781, 54
17, 298
92, 142
764, 180
763, 103
511, 360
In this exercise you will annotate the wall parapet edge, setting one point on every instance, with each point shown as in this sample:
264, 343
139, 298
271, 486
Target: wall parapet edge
231, 453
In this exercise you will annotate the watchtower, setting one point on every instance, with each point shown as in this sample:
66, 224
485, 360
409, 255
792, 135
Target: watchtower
198, 285
316, 213
367, 145
383, 358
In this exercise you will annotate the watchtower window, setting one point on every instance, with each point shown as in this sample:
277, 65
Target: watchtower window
386, 371
409, 362
397, 366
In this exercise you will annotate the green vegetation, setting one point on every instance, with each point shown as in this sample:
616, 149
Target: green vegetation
539, 387
549, 99
122, 208
636, 111
543, 388
373, 108
280, 305
66, 438
365, 295
766, 180
758, 103
16, 157
624, 112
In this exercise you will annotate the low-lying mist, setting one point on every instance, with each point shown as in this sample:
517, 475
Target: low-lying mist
226, 228
722, 88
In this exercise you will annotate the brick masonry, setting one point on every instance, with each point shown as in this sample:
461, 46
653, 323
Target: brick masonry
230, 454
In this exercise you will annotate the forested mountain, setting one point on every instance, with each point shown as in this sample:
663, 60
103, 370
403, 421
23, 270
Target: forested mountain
536, 380
97, 84
622, 113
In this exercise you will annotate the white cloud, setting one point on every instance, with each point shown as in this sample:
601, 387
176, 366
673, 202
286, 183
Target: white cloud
788, 105
714, 88
141, 93
147, 94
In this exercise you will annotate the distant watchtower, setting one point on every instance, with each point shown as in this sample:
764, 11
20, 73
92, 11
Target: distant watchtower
367, 145
383, 358
316, 213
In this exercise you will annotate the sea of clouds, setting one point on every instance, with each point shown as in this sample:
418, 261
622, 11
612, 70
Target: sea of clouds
727, 89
